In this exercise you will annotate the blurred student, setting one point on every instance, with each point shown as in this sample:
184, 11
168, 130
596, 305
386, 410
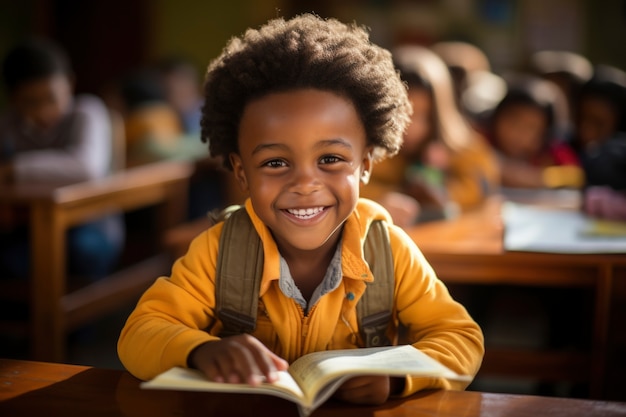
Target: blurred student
600, 140
154, 131
211, 186
182, 87
444, 165
477, 88
601, 108
569, 71
521, 130
50, 136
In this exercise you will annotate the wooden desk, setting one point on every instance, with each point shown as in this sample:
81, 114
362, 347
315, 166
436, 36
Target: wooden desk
36, 388
53, 210
469, 250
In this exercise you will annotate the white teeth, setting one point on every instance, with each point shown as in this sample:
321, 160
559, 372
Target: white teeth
306, 213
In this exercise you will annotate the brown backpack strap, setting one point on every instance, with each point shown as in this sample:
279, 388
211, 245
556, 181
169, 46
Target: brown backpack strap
238, 274
374, 309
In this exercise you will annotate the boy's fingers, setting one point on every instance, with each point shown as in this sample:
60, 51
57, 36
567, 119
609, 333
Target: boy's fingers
244, 366
238, 359
268, 362
280, 363
226, 361
206, 359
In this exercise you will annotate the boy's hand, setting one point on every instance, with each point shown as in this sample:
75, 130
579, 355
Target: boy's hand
366, 390
237, 359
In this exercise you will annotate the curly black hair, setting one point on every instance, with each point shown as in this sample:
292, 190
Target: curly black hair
305, 52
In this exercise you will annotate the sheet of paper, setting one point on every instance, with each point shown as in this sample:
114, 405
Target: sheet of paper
536, 229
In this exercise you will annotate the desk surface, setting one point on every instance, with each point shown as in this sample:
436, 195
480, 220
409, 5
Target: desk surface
37, 388
479, 234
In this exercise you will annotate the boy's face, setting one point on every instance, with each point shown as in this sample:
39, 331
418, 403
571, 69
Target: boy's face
43, 102
302, 156
519, 131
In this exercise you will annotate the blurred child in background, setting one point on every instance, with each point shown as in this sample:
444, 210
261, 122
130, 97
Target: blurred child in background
521, 130
568, 71
601, 108
211, 186
444, 165
477, 88
154, 131
600, 140
181, 84
48, 136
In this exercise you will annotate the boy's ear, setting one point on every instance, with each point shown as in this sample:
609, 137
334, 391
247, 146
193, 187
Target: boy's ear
240, 175
366, 170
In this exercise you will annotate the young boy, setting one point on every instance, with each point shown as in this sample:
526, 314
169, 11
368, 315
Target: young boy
301, 109
49, 136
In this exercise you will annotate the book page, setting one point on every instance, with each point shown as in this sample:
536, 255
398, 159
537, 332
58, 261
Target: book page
315, 370
194, 380
313, 378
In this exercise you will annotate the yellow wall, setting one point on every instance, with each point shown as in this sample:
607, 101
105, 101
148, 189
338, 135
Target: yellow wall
199, 29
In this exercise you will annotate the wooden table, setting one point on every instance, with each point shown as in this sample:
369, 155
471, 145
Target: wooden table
469, 250
37, 388
54, 209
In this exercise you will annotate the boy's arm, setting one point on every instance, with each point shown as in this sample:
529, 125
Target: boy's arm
437, 325
175, 315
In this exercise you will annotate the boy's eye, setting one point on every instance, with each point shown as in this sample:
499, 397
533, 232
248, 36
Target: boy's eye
275, 163
330, 159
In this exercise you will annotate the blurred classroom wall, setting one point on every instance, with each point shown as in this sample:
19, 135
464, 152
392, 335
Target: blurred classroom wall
106, 38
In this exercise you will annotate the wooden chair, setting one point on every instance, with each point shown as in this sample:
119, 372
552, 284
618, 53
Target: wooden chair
55, 309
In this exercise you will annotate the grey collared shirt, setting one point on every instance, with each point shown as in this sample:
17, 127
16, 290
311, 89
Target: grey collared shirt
330, 282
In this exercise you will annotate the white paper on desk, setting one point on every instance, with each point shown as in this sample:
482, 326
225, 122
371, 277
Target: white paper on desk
535, 229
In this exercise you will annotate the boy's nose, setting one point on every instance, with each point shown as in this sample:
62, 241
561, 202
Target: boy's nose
305, 182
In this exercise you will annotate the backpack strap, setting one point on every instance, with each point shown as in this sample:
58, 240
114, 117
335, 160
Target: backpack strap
376, 304
238, 282
238, 274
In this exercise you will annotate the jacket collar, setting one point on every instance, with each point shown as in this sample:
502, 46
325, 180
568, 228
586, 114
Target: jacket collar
354, 233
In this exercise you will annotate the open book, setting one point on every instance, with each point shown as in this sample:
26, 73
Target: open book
313, 378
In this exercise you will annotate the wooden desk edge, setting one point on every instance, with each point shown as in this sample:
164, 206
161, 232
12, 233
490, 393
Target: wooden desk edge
22, 377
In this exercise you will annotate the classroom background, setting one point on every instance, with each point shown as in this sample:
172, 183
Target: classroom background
106, 39
112, 41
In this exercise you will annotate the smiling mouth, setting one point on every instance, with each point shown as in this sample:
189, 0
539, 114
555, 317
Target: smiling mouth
305, 214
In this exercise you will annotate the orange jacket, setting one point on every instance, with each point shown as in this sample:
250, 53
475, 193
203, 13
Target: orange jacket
177, 313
